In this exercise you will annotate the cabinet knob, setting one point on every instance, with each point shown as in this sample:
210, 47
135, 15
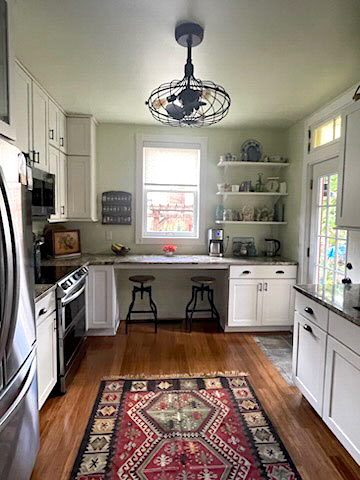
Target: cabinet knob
280, 271
265, 287
307, 328
346, 280
309, 310
349, 266
260, 287
43, 311
51, 134
61, 141
246, 272
62, 210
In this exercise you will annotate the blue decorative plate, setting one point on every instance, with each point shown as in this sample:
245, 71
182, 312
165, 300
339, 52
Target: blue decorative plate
251, 151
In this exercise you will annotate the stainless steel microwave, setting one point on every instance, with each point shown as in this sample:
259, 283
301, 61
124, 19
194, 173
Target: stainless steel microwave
43, 194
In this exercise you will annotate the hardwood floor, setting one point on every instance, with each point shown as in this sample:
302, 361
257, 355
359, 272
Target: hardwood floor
315, 451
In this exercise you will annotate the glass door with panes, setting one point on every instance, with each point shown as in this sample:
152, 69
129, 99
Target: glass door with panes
328, 244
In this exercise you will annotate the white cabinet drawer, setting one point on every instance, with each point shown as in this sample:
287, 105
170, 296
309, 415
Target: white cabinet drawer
309, 353
312, 310
346, 332
263, 271
45, 306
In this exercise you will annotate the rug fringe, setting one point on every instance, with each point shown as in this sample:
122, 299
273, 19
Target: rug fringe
143, 376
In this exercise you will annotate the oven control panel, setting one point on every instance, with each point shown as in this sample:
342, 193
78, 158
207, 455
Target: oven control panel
69, 282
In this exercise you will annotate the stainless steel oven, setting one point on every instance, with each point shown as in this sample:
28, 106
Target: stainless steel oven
71, 314
43, 194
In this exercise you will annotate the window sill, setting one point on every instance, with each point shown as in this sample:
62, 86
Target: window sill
169, 240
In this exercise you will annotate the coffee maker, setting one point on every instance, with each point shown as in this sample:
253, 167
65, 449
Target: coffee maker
216, 242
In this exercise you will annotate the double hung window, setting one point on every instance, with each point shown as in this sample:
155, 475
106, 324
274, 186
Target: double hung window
169, 190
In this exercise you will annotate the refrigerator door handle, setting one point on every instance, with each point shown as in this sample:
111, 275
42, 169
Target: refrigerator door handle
22, 393
12, 277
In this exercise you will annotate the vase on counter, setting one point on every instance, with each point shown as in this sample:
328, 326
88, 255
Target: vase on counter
169, 250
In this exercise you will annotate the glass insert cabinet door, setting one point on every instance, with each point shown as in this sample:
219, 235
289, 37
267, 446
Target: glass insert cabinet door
6, 127
328, 248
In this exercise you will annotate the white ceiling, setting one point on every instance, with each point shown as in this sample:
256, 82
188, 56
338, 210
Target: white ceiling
278, 59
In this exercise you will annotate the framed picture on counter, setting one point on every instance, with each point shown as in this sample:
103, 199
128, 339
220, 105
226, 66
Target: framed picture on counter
66, 243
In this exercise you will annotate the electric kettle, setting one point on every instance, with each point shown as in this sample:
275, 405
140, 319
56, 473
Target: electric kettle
272, 247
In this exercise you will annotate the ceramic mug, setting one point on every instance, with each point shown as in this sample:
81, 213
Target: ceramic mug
235, 188
221, 187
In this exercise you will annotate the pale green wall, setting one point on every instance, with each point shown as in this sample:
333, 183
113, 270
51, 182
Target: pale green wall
116, 171
289, 234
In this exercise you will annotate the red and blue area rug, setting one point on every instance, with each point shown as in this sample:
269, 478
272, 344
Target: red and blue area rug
205, 428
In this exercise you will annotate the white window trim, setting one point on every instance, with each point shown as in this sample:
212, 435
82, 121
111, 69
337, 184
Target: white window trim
324, 152
170, 141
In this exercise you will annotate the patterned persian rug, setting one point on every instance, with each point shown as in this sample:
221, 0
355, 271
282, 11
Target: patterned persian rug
207, 428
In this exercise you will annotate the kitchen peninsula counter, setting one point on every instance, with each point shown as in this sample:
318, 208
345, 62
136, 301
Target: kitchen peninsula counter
339, 298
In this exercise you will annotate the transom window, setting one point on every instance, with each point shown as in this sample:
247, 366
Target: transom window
330, 260
170, 190
327, 132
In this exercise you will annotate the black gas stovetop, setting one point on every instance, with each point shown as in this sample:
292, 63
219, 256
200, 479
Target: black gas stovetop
52, 275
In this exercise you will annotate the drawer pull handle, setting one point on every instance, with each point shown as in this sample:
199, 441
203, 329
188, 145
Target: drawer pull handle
309, 310
246, 272
280, 271
307, 328
43, 311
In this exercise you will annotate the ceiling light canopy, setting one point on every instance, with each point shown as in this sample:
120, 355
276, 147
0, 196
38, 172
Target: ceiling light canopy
190, 101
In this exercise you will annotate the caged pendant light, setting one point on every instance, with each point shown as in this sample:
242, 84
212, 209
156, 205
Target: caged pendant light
190, 101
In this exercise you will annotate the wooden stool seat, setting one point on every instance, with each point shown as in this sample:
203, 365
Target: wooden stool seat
203, 280
141, 278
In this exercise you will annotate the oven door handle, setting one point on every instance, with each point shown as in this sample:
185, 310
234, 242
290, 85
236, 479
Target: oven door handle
73, 297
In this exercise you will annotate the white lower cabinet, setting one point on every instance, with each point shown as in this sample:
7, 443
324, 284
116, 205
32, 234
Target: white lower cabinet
244, 303
278, 302
258, 301
46, 346
103, 309
309, 353
342, 395
326, 369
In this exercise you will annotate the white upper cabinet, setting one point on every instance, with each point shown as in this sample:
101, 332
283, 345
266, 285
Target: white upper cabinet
62, 131
81, 168
58, 167
7, 121
40, 127
63, 186
53, 130
79, 135
23, 110
348, 212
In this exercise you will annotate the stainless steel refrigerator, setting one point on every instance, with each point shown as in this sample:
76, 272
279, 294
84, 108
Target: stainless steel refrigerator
19, 417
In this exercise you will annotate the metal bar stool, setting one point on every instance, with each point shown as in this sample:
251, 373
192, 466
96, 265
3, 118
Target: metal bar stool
142, 279
202, 286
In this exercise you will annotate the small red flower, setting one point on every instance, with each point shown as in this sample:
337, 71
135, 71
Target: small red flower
169, 248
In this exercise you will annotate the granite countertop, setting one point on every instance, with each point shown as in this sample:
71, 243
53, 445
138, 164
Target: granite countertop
43, 289
339, 298
111, 259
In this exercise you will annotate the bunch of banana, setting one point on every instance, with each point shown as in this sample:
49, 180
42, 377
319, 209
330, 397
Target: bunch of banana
119, 249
